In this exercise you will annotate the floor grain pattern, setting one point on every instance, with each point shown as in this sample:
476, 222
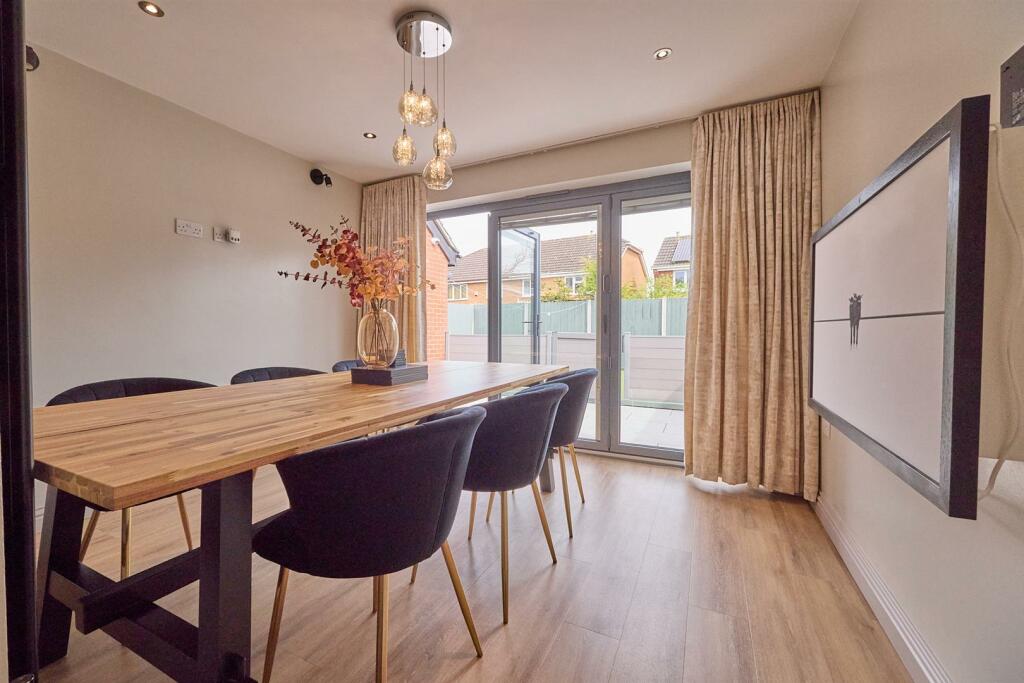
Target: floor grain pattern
666, 579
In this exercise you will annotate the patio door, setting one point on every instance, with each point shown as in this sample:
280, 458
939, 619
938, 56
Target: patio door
650, 230
545, 304
590, 278
518, 302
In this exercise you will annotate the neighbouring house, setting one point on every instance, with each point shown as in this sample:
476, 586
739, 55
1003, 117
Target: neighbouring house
441, 255
674, 258
563, 267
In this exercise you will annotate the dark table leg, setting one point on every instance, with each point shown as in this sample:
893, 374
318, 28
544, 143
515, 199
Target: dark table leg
225, 580
547, 474
59, 547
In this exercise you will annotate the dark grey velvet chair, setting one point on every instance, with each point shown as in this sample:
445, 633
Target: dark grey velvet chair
121, 388
347, 365
265, 374
371, 507
508, 453
568, 422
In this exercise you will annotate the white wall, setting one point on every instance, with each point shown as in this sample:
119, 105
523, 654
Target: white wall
900, 67
115, 293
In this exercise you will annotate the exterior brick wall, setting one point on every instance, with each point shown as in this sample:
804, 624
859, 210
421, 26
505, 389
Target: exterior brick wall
436, 268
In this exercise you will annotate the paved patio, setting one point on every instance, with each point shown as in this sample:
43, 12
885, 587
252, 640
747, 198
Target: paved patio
656, 427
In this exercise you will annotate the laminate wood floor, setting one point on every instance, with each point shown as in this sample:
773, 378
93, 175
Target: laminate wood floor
666, 579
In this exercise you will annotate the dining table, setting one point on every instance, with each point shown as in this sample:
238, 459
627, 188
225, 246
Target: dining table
117, 453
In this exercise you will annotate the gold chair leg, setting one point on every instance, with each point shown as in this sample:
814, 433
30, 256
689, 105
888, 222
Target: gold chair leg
415, 568
576, 467
126, 543
472, 514
87, 537
543, 520
376, 595
184, 520
565, 490
382, 630
460, 594
275, 623
490, 504
504, 556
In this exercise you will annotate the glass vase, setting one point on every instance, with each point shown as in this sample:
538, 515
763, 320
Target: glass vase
377, 337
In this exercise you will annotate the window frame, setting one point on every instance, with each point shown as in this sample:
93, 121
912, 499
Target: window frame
465, 291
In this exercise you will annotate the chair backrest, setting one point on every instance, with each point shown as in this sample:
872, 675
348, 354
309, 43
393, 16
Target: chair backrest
120, 388
573, 407
512, 442
264, 374
347, 365
378, 504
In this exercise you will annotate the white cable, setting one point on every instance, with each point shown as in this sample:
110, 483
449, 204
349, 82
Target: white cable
1008, 345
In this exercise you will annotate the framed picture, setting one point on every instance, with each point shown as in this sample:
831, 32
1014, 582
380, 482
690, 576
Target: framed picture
897, 306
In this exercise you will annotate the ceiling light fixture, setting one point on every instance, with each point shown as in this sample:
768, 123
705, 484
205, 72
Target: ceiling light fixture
425, 35
662, 53
151, 8
370, 135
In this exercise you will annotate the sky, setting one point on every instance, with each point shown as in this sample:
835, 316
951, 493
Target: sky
644, 230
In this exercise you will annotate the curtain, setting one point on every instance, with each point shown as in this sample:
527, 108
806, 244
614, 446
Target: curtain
392, 210
756, 201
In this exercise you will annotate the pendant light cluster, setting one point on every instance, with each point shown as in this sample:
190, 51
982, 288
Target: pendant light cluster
425, 35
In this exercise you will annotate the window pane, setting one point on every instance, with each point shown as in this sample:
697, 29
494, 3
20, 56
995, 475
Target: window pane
654, 276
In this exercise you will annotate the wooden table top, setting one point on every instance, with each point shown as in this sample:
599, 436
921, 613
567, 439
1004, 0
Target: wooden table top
126, 451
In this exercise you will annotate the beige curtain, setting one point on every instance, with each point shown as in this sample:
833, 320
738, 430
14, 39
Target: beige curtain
756, 201
391, 210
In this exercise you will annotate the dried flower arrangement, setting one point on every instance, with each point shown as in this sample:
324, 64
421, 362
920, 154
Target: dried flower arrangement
371, 276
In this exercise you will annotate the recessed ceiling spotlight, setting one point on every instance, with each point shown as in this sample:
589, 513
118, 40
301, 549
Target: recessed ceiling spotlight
662, 53
370, 136
151, 8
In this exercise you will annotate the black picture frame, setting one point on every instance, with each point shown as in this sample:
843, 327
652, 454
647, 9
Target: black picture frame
966, 128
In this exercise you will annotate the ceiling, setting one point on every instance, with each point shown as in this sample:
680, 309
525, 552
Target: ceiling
309, 76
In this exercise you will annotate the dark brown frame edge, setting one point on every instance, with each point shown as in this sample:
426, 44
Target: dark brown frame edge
966, 127
15, 386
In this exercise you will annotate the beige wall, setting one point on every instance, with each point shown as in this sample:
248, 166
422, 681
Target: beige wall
643, 153
115, 293
900, 67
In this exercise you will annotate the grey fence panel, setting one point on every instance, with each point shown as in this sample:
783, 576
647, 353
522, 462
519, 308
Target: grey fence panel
460, 318
676, 310
566, 316
641, 316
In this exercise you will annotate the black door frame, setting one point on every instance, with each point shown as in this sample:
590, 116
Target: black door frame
15, 367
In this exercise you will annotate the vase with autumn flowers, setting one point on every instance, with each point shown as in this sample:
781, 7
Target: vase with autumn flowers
373, 277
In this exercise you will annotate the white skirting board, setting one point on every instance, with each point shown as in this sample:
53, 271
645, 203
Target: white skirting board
921, 662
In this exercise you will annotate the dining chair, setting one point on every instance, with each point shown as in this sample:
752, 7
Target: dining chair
568, 421
264, 374
121, 388
508, 454
347, 365
371, 507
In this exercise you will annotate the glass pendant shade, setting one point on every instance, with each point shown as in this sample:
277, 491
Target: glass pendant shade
426, 110
404, 150
444, 142
437, 174
408, 105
